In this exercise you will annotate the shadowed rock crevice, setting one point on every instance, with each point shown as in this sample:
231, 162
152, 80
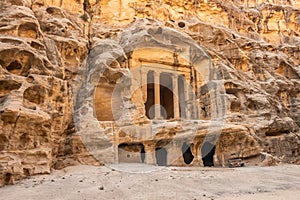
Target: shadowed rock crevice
3, 142
6, 86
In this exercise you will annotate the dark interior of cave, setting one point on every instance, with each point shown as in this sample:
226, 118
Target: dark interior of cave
187, 155
207, 152
161, 156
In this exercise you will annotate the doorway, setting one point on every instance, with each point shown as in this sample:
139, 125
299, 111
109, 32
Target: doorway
187, 155
161, 155
131, 153
143, 154
150, 112
208, 152
166, 96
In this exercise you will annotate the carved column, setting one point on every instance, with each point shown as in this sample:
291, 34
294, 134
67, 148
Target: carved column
150, 154
144, 81
184, 97
194, 109
187, 100
157, 95
116, 143
175, 97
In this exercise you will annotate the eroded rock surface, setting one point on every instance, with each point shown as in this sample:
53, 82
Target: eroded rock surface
49, 49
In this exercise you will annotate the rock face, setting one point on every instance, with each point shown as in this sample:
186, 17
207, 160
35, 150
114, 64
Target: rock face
80, 81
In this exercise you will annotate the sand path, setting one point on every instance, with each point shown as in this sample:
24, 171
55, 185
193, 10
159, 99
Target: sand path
127, 182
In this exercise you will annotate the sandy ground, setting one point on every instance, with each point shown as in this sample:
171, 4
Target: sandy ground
149, 182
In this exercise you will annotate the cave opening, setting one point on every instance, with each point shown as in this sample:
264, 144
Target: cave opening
161, 156
131, 153
14, 67
208, 152
143, 154
8, 177
187, 154
26, 171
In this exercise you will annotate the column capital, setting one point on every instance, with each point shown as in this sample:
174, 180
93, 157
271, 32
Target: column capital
156, 73
145, 69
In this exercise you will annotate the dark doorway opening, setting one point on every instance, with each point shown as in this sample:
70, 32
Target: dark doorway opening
150, 95
143, 154
161, 155
7, 178
208, 152
131, 153
166, 101
187, 155
166, 96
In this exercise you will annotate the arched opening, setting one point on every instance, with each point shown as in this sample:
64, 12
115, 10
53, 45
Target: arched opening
108, 104
14, 67
6, 86
208, 152
150, 96
28, 29
161, 156
166, 96
103, 97
187, 155
131, 153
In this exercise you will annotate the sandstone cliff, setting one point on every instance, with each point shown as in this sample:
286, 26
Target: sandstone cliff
45, 44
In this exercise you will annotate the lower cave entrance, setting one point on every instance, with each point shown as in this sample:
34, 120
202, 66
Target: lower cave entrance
187, 155
208, 152
161, 155
143, 154
8, 177
131, 153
